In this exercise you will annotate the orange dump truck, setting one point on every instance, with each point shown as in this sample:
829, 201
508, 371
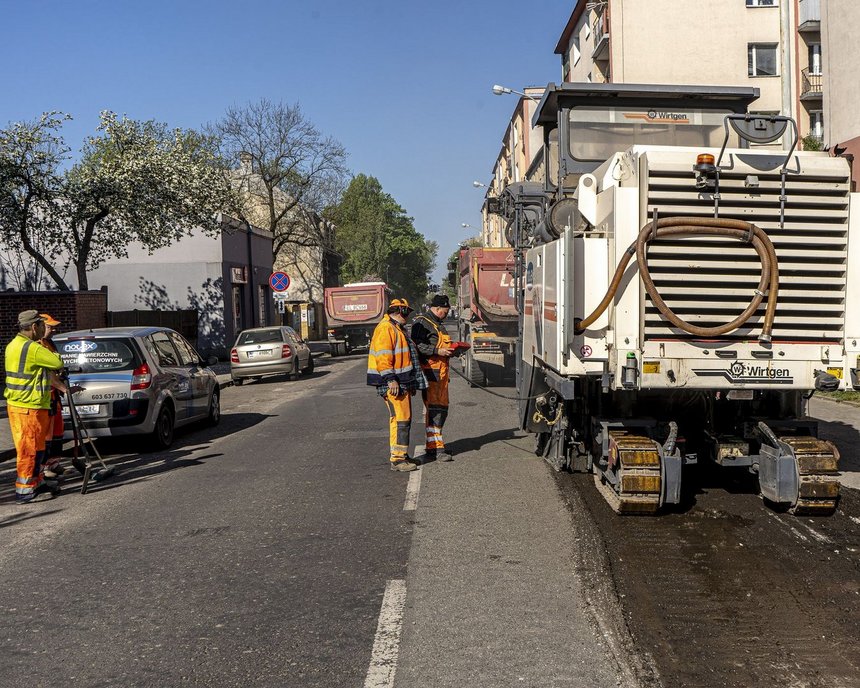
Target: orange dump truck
352, 312
487, 313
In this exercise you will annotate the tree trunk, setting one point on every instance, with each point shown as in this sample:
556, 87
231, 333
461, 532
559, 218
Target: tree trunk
81, 267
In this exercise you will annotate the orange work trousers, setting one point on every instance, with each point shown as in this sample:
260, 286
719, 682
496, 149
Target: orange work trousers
29, 427
399, 423
435, 410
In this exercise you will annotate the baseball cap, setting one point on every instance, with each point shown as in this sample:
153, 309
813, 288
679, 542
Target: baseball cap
49, 320
30, 317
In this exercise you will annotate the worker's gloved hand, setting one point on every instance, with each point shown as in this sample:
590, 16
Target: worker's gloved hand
444, 351
74, 389
394, 388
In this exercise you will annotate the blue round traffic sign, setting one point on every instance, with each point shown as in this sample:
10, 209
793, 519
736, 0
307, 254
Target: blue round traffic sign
279, 281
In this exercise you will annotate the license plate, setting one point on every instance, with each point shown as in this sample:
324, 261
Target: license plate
254, 354
87, 410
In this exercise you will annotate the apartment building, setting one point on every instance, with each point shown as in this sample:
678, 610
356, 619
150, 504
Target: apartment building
520, 146
773, 45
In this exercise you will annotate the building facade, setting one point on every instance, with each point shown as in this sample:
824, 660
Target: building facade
225, 278
772, 45
840, 28
521, 144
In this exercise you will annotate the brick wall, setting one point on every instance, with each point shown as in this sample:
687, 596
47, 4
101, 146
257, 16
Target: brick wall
75, 310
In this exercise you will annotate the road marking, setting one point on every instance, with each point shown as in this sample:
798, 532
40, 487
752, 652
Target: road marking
855, 519
386, 644
412, 490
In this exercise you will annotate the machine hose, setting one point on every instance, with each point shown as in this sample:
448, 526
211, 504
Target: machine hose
684, 227
489, 391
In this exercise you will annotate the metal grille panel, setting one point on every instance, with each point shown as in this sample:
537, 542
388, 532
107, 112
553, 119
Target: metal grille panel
709, 282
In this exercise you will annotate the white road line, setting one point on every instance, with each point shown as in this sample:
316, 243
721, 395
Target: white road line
386, 644
855, 519
412, 490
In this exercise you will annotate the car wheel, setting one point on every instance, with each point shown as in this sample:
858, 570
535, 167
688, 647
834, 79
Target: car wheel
310, 367
162, 435
214, 409
237, 381
294, 373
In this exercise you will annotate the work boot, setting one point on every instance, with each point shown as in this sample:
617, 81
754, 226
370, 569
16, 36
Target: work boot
447, 454
403, 466
51, 486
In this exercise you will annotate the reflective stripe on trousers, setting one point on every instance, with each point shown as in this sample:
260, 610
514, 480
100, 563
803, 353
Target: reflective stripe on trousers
29, 427
435, 412
399, 424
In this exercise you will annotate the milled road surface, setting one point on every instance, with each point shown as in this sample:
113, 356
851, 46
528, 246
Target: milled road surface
726, 592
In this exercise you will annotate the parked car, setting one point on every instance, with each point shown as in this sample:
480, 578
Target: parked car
269, 351
138, 381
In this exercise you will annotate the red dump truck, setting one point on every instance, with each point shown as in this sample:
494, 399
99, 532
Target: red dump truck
487, 314
352, 312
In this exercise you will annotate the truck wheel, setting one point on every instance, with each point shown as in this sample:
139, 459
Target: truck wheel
474, 374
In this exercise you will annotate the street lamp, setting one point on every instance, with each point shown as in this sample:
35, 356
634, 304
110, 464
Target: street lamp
501, 90
466, 225
478, 184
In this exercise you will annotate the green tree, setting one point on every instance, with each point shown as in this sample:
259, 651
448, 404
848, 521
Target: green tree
377, 238
135, 182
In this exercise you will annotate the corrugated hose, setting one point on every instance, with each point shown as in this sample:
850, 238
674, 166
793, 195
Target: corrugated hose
685, 227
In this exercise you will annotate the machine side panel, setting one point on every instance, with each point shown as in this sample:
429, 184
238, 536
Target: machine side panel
551, 342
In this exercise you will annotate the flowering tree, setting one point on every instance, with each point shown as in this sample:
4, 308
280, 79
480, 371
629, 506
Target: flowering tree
135, 182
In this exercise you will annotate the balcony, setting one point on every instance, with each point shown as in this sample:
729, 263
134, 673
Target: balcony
810, 85
600, 33
809, 16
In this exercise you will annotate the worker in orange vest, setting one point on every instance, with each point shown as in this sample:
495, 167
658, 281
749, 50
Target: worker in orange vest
28, 398
393, 368
434, 348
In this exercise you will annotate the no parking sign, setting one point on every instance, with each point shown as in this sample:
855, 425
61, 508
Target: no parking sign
279, 281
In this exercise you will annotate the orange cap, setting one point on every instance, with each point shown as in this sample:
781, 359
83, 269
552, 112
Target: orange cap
49, 320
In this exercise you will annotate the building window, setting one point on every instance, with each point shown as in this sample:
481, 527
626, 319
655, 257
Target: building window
816, 123
815, 58
762, 59
761, 3
263, 302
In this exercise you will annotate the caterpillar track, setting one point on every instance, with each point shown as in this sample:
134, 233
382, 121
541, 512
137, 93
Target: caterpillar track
818, 476
636, 483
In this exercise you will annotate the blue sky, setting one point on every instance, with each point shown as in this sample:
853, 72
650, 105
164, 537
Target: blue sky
404, 85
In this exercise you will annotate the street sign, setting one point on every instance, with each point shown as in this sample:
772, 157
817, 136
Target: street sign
279, 281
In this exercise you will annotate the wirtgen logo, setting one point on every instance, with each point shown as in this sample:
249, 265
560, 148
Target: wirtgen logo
750, 373
657, 117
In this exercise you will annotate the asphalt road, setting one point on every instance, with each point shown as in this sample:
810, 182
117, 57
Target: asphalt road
259, 553
279, 550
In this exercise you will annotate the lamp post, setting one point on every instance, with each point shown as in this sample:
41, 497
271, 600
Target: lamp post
478, 184
502, 90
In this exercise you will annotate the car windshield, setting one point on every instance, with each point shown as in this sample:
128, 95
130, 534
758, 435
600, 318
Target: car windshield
259, 337
97, 355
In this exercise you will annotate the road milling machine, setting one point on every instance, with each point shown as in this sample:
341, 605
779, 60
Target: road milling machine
689, 279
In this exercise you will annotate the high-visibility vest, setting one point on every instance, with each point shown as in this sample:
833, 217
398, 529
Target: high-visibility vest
27, 382
389, 357
435, 367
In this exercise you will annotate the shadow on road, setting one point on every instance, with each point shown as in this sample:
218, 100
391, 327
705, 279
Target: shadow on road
133, 465
467, 444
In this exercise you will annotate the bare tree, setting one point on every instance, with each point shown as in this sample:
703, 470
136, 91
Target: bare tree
289, 171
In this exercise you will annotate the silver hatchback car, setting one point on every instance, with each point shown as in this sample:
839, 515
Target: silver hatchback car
137, 381
269, 351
